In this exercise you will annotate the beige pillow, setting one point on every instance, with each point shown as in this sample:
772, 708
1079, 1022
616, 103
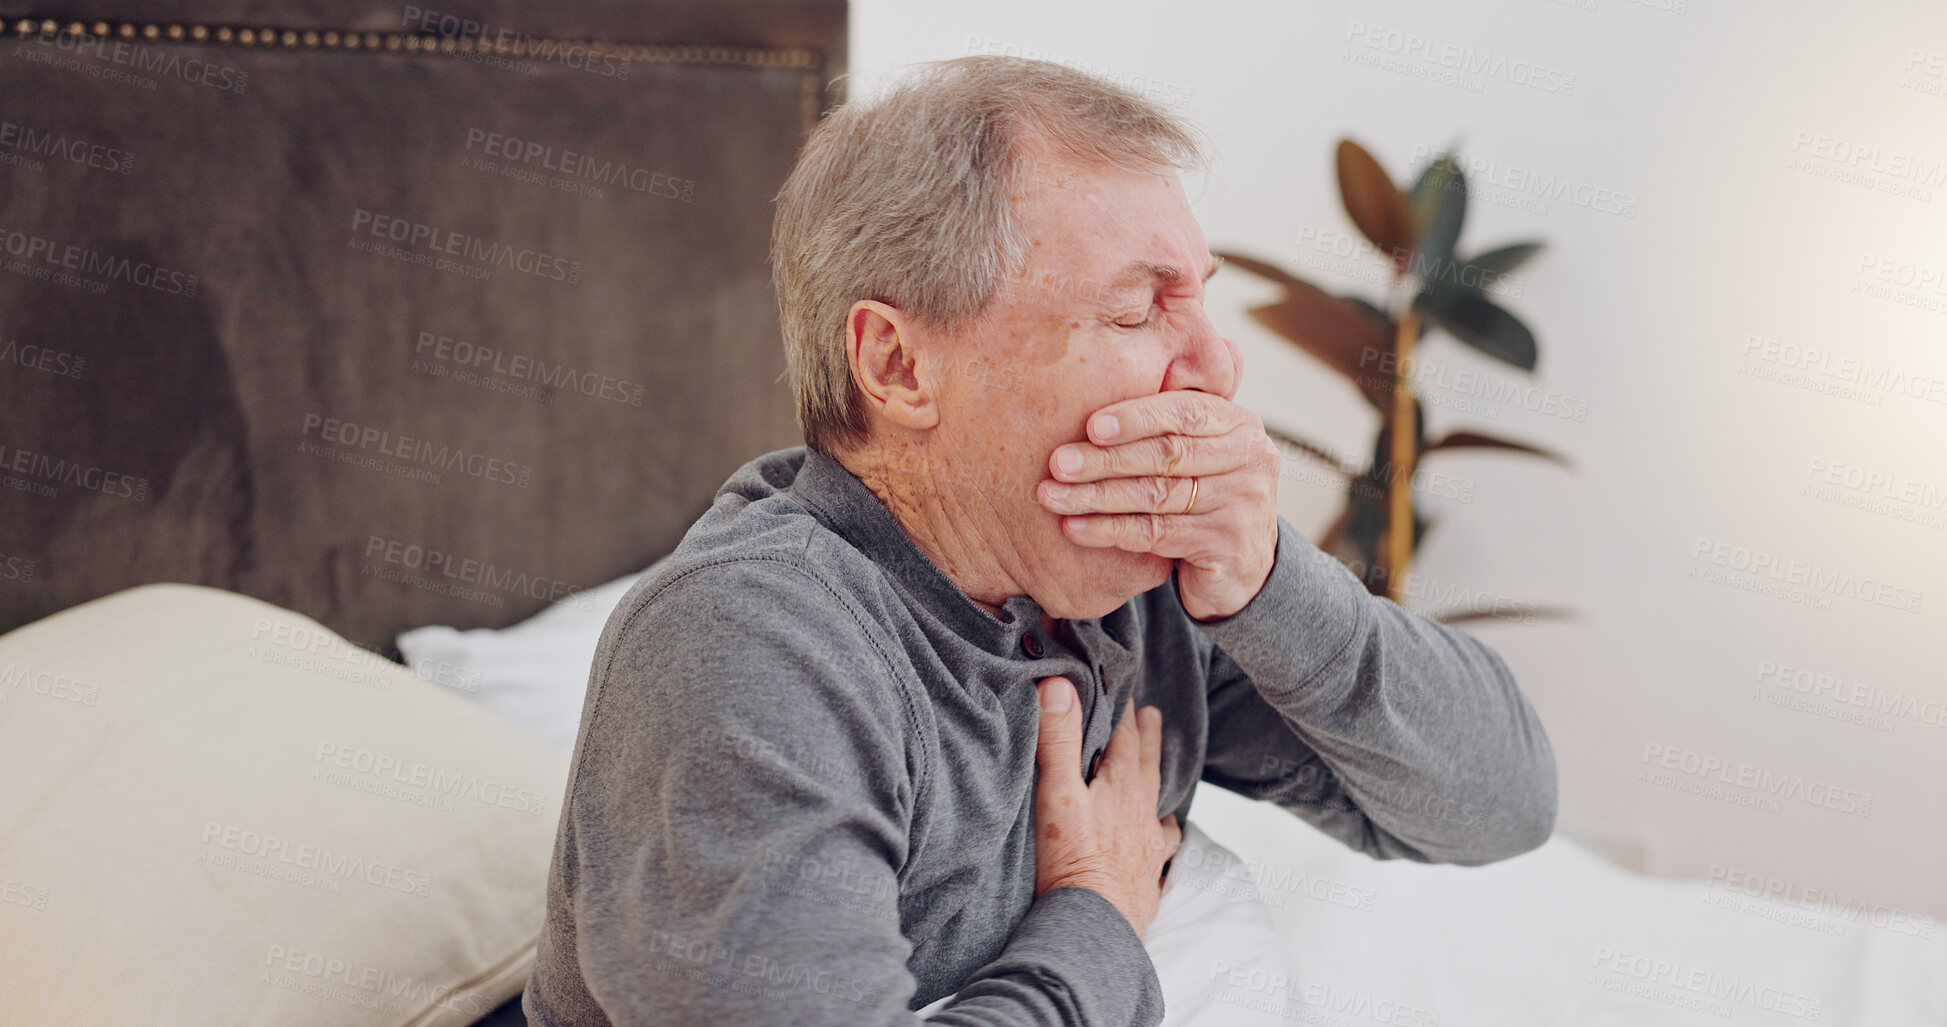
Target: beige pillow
215, 811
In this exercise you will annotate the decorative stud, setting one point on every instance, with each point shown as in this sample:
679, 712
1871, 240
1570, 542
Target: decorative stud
658, 53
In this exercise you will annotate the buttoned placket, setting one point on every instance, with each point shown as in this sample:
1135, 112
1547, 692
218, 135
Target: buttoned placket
1091, 687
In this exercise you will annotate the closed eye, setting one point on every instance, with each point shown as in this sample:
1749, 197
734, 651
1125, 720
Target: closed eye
1149, 318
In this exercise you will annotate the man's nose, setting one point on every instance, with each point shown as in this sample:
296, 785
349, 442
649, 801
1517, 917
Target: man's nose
1206, 361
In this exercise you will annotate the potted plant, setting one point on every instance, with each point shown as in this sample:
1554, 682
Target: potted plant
1374, 345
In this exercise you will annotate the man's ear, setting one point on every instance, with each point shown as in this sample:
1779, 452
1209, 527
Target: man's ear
885, 347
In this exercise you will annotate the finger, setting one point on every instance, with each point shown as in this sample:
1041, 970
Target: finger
1058, 747
1170, 455
1164, 455
1123, 757
1167, 535
1149, 723
1172, 836
1177, 411
1134, 495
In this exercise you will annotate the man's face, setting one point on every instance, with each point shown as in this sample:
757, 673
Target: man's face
1094, 318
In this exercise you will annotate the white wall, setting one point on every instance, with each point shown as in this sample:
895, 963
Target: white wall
1708, 122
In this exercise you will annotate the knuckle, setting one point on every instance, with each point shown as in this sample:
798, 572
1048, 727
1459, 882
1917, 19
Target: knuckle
1158, 490
1174, 450
1195, 415
1268, 455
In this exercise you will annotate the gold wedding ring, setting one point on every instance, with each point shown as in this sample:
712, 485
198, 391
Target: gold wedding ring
1192, 504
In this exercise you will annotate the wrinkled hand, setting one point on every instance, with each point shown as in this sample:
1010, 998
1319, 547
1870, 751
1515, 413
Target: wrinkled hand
1103, 834
1129, 486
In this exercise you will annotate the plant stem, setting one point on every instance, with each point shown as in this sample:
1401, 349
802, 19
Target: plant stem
1398, 543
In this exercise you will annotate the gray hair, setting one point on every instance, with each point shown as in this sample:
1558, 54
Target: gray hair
903, 199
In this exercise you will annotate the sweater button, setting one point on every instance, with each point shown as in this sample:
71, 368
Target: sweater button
1031, 645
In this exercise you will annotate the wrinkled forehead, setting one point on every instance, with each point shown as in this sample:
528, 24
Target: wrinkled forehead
1098, 232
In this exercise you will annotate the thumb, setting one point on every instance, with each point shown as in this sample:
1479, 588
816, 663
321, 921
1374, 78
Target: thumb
1058, 752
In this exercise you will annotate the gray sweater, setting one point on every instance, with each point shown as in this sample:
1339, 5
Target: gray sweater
803, 786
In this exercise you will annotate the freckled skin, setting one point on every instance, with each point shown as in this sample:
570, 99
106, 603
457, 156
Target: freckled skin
999, 396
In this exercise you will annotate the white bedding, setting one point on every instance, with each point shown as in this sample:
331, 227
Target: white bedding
1268, 922
535, 673
1558, 936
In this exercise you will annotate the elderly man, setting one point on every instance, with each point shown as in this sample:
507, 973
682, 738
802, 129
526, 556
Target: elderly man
916, 710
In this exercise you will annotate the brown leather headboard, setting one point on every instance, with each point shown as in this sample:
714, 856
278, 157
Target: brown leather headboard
390, 313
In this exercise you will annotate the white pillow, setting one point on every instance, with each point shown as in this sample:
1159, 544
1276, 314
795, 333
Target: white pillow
214, 810
535, 673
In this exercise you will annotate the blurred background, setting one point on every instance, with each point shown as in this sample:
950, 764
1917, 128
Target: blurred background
1741, 310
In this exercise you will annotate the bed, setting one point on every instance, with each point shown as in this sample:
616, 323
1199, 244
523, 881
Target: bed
401, 330
209, 832
1269, 921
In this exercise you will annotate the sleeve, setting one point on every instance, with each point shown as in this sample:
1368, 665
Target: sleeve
1400, 736
739, 824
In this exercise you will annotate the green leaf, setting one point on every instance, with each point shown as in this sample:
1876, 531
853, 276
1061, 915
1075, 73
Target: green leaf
1439, 207
1260, 268
1369, 309
1342, 336
1520, 612
1479, 322
1497, 262
1475, 440
1374, 203
1384, 319
1365, 525
1313, 450
1334, 539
